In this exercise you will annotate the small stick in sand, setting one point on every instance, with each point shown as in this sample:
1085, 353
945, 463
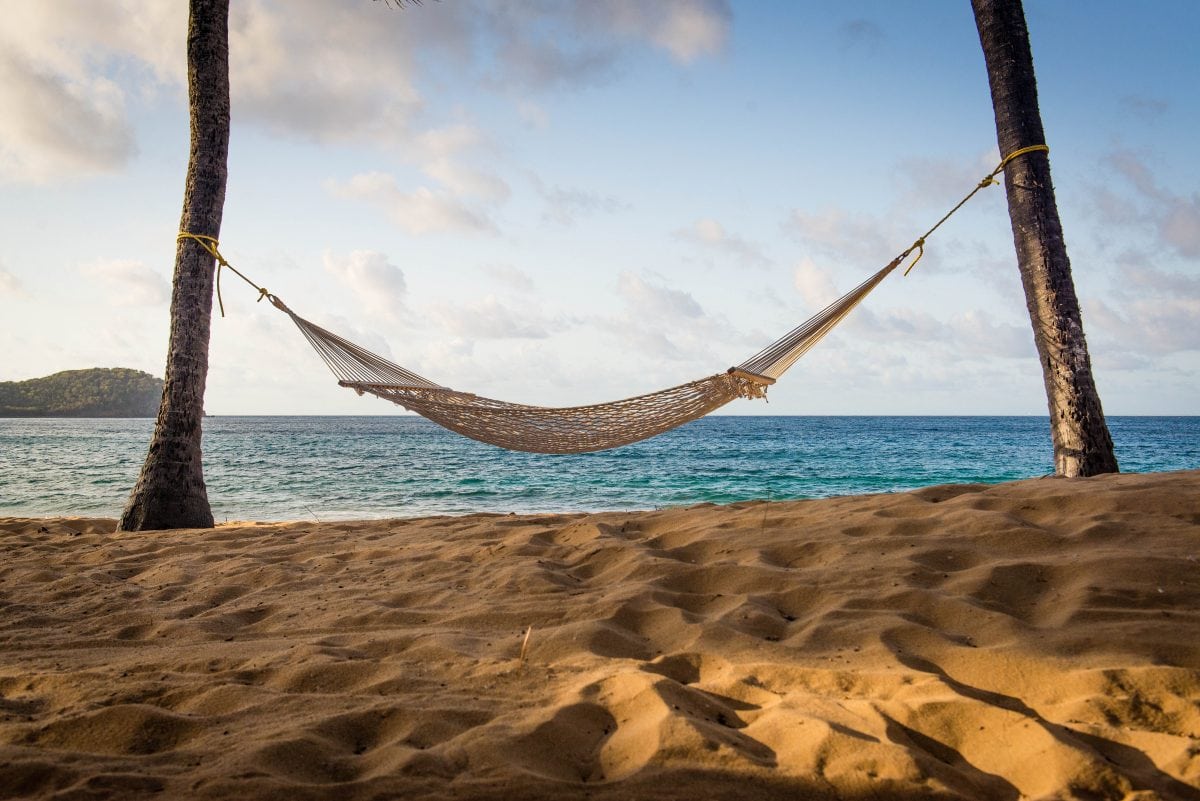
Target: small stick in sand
525, 646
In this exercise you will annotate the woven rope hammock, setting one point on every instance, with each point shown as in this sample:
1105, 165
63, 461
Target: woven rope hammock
573, 429
580, 429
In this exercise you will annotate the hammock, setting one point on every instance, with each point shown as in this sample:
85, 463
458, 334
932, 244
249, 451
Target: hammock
581, 429
573, 429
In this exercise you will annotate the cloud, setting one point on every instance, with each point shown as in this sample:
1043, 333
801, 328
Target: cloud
423, 209
1179, 225
337, 71
1149, 108
420, 211
510, 277
53, 126
1127, 164
839, 235
969, 336
575, 44
710, 234
490, 318
565, 206
438, 151
687, 29
1151, 311
535, 59
1175, 218
330, 72
378, 284
860, 34
815, 285
657, 302
10, 286
534, 115
128, 283
940, 182
668, 324
66, 79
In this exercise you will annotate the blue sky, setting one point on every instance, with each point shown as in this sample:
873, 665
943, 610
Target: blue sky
565, 203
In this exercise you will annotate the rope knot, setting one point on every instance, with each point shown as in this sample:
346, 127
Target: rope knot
919, 245
209, 243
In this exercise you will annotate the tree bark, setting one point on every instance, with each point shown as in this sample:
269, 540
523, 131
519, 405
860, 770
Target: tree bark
1082, 444
170, 492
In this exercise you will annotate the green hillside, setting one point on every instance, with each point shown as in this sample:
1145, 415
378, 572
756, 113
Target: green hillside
99, 392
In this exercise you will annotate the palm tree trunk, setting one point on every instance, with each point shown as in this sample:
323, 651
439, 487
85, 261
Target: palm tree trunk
1082, 444
170, 492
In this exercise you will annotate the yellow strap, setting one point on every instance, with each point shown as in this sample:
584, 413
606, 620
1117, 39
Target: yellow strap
1020, 152
209, 243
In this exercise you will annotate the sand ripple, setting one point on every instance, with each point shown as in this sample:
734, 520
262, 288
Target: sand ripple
1032, 640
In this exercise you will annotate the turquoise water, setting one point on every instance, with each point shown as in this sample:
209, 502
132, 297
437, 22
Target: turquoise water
284, 468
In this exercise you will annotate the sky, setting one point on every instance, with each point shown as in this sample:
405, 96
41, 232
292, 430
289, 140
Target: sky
566, 203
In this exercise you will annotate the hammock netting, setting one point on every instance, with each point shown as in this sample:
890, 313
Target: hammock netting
574, 429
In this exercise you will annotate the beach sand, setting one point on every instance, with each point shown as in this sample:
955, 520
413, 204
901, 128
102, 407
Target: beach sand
1039, 639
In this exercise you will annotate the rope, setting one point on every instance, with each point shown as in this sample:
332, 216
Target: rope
209, 243
582, 428
986, 181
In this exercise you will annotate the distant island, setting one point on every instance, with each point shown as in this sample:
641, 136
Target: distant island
98, 392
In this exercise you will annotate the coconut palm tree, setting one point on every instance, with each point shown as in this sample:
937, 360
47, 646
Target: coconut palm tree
170, 492
1082, 444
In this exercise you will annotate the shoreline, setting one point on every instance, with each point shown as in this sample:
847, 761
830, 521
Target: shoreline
1038, 638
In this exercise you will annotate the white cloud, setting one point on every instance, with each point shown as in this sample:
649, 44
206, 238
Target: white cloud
439, 151
331, 72
128, 283
53, 126
840, 235
657, 302
687, 29
664, 323
9, 285
490, 318
814, 284
377, 283
63, 112
711, 235
420, 211
511, 277
336, 71
1151, 312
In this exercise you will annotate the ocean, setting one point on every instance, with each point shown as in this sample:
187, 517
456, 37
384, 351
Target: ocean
329, 468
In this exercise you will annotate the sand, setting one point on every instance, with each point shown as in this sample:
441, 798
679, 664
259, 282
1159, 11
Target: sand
1039, 639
